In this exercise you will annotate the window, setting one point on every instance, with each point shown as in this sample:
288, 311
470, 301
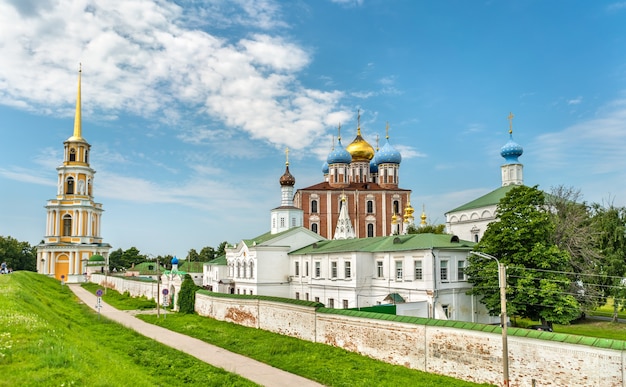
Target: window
399, 271
476, 238
306, 269
293, 222
297, 268
379, 269
87, 156
396, 207
72, 154
370, 206
238, 272
347, 269
314, 227
318, 269
345, 304
307, 296
282, 222
446, 310
250, 292
297, 295
70, 186
67, 225
418, 270
460, 271
317, 299
331, 302
251, 271
370, 230
314, 206
443, 270
333, 269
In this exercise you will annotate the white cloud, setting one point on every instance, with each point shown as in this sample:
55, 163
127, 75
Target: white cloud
575, 101
138, 58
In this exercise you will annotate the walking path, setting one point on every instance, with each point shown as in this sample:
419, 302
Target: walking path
253, 370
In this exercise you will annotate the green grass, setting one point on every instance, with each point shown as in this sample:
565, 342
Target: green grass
328, 365
121, 301
48, 338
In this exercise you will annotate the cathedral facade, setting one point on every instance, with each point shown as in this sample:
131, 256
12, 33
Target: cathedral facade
366, 182
73, 238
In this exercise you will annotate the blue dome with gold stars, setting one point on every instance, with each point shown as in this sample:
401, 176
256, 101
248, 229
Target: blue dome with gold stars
339, 155
388, 155
511, 151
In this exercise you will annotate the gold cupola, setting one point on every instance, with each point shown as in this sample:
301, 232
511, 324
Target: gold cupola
359, 149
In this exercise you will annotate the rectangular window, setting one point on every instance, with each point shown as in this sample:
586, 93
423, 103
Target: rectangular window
333, 269
293, 222
348, 269
318, 269
297, 268
399, 274
306, 295
460, 271
297, 295
331, 302
282, 222
418, 270
379, 269
345, 304
443, 270
306, 269
317, 299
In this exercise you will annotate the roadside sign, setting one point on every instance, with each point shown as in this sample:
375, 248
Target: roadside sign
99, 293
165, 292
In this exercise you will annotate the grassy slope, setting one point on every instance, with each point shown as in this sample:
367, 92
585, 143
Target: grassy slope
48, 338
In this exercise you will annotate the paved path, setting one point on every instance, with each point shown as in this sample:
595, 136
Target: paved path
253, 370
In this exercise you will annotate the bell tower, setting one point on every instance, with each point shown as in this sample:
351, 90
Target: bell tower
73, 218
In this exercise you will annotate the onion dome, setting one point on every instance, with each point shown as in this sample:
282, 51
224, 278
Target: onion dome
359, 149
374, 161
174, 261
511, 151
325, 168
287, 178
339, 155
96, 258
389, 154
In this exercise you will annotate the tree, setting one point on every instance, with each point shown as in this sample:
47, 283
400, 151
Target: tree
609, 223
427, 229
187, 296
206, 254
132, 257
115, 260
221, 249
575, 234
17, 255
193, 256
537, 286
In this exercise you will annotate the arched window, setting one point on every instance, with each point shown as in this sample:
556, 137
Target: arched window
72, 154
476, 238
238, 270
251, 265
370, 206
370, 230
67, 225
70, 186
314, 227
87, 156
396, 207
314, 206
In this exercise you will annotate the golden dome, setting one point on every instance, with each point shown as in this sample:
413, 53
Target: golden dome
360, 149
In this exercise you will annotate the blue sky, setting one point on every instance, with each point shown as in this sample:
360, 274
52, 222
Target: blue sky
188, 105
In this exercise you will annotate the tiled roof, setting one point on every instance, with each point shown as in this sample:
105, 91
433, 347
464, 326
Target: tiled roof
385, 244
490, 199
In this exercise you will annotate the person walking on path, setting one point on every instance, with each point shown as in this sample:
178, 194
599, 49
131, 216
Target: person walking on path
251, 369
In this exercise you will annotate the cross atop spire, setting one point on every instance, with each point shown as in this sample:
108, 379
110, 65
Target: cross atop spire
339, 132
287, 156
510, 118
387, 131
358, 122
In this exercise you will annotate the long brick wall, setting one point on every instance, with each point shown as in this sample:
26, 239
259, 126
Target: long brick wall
466, 351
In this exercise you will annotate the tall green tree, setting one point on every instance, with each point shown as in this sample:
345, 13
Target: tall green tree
206, 254
187, 296
132, 256
537, 285
221, 249
17, 255
609, 223
193, 256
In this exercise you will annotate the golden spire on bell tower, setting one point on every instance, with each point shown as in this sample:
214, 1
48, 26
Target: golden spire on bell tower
77, 119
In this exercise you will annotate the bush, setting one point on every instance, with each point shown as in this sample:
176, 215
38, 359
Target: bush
187, 296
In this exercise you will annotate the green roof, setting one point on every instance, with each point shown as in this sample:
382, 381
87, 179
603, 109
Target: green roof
221, 260
387, 243
97, 258
191, 267
146, 268
268, 236
490, 199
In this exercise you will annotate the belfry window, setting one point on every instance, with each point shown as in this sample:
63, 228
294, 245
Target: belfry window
67, 225
314, 227
370, 230
370, 206
70, 186
314, 206
87, 156
396, 207
72, 154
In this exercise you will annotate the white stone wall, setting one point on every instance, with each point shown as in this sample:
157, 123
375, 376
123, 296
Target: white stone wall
461, 353
121, 284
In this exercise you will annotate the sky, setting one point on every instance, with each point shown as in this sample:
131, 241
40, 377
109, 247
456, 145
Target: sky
189, 105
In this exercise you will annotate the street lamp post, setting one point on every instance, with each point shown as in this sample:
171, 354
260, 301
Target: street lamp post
503, 318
